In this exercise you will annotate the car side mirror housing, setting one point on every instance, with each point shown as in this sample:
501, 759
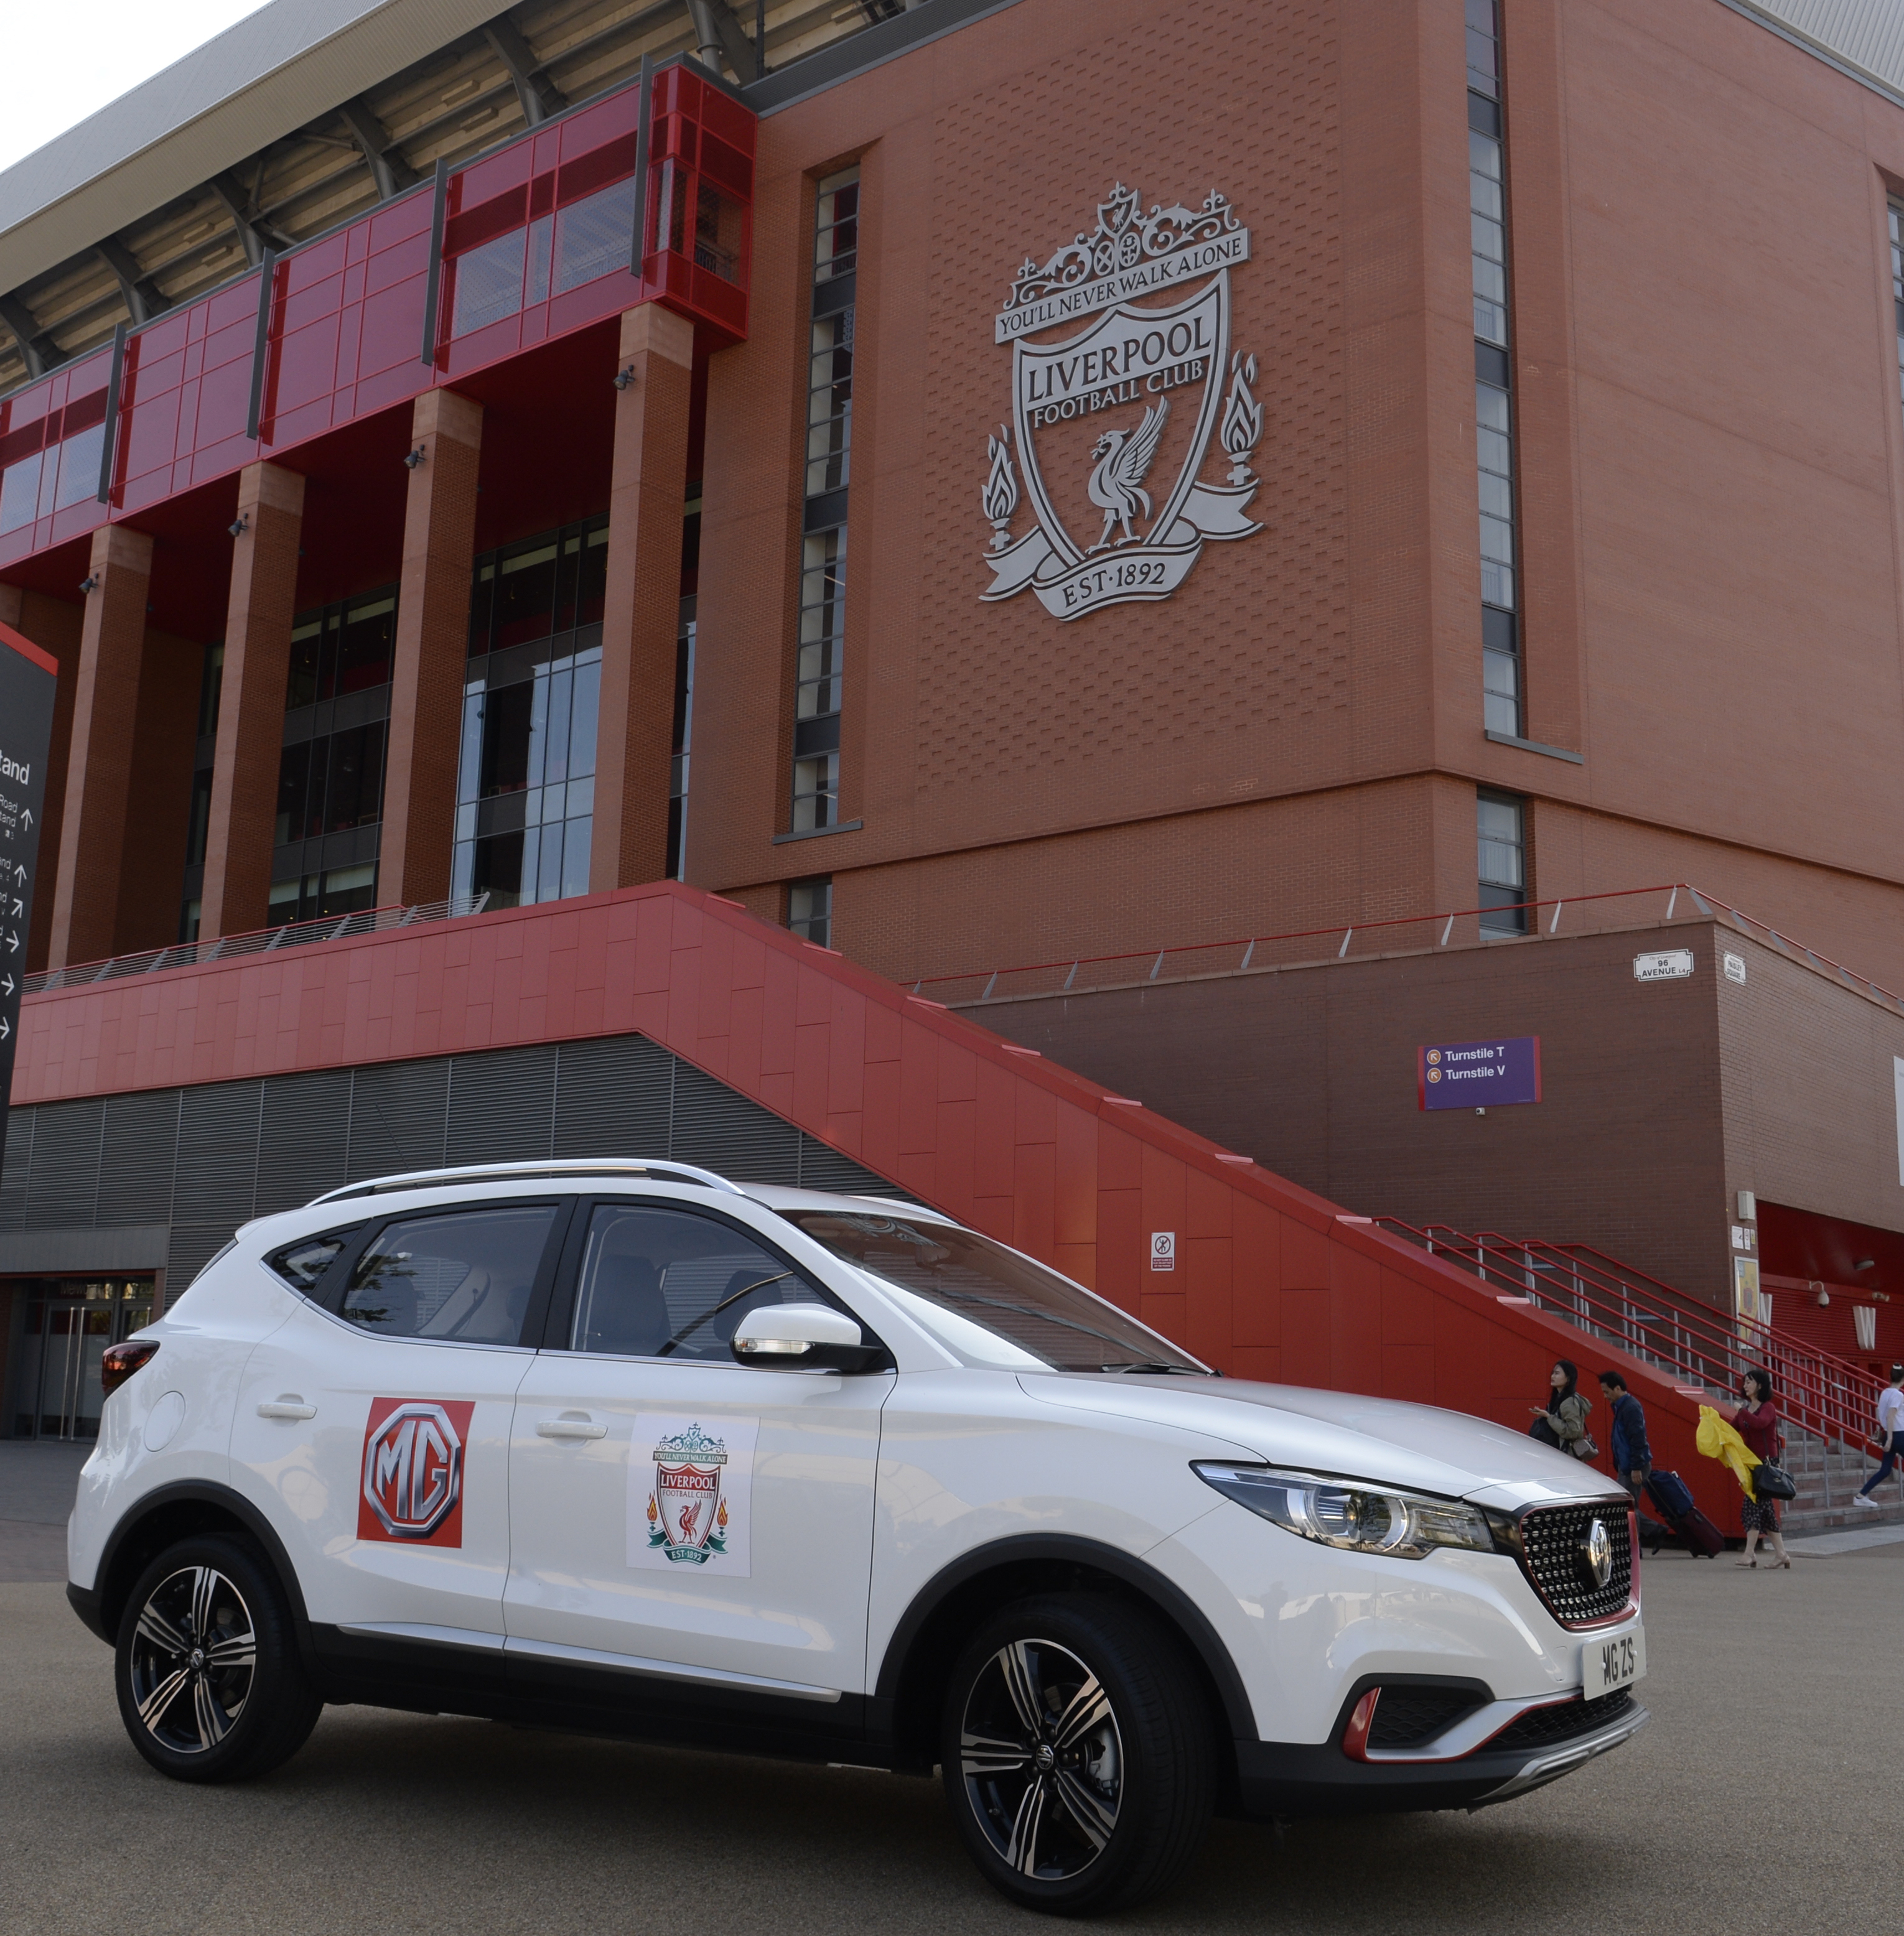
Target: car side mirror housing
802, 1337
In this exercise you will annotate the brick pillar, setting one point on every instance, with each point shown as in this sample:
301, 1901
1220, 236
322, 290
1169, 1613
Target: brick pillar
641, 601
54, 625
100, 764
264, 597
432, 648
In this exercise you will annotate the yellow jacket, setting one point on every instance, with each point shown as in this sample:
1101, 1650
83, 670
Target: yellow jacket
1717, 1440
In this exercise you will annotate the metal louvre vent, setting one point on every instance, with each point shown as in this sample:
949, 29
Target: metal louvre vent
1407, 1717
64, 1185
1541, 1727
1554, 1542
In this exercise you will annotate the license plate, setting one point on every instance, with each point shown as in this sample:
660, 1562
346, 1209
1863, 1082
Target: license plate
1616, 1662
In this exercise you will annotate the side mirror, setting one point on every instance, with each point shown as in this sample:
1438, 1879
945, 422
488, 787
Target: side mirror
801, 1338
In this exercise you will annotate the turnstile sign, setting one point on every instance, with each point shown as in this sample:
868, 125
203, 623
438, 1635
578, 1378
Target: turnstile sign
28, 679
1472, 1075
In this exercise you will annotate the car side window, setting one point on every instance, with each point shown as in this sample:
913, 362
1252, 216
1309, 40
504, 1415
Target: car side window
303, 1264
660, 1283
464, 1276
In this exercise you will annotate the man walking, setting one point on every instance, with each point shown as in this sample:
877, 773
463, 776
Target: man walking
1632, 1457
1890, 1434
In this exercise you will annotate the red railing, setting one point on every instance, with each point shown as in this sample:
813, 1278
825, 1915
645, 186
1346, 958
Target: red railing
1702, 1349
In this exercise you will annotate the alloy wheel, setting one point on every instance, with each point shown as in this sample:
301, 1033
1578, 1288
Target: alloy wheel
194, 1653
1042, 1759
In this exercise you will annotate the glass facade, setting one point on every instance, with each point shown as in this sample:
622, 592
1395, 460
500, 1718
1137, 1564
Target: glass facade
330, 778
820, 648
61, 1329
525, 784
1501, 828
1503, 684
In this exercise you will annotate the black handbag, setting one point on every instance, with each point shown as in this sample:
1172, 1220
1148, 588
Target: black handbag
1773, 1482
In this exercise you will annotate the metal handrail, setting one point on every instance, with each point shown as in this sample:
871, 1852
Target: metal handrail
259, 941
1690, 1340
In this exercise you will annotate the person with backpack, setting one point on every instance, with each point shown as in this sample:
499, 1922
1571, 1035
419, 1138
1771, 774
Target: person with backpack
1562, 1421
1891, 1435
1757, 1422
1633, 1457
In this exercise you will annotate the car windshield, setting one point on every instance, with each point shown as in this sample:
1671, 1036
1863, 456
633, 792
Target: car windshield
988, 1303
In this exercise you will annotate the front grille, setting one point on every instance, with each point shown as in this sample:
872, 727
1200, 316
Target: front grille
1405, 1717
1542, 1727
1553, 1543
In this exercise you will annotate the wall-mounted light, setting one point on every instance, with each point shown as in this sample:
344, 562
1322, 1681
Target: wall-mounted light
243, 525
1864, 1263
623, 378
415, 457
89, 583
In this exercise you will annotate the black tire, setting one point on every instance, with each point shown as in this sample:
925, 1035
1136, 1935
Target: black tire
211, 1685
1105, 1801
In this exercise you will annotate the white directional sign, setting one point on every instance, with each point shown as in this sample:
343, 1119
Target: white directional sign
28, 677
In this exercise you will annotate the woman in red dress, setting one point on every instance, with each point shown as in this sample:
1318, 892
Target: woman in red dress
1757, 1422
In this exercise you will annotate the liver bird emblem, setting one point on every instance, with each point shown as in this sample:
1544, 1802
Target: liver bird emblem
1117, 484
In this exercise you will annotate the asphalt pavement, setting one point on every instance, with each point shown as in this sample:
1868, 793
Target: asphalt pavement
1764, 1795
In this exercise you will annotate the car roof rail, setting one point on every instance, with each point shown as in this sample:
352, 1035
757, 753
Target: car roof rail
523, 1173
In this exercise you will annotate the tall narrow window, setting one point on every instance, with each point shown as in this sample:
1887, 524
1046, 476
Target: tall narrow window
198, 828
1504, 687
677, 791
1897, 282
817, 652
1501, 827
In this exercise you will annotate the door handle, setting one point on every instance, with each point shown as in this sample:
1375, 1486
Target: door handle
569, 1427
287, 1405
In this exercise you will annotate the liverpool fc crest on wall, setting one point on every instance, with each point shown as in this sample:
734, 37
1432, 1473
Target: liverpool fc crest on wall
1112, 423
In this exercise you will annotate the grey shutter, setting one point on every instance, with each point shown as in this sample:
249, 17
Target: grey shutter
304, 1140
216, 1180
137, 1155
62, 1187
398, 1117
612, 1098
823, 1167
502, 1106
19, 1167
721, 1129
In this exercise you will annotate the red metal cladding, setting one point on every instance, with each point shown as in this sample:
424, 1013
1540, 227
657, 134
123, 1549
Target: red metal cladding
1266, 1280
538, 241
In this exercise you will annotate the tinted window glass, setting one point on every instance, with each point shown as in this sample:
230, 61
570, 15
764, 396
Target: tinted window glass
987, 1302
301, 1264
464, 1277
667, 1283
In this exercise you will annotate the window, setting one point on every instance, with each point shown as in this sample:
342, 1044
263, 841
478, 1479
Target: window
677, 787
197, 826
819, 650
531, 696
303, 1263
1897, 282
810, 909
335, 893
465, 1278
1500, 822
1503, 710
986, 1303
666, 1283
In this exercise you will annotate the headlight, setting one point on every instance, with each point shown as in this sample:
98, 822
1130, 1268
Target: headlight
1357, 1518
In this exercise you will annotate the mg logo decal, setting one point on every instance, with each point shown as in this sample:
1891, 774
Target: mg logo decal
413, 1476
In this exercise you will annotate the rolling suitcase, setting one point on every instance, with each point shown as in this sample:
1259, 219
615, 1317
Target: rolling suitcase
1673, 1497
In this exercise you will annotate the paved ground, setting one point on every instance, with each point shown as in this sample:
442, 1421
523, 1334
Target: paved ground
1764, 1796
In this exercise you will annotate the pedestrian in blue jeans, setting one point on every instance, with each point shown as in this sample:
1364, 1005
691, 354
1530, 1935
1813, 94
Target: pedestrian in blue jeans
1890, 1434
1632, 1457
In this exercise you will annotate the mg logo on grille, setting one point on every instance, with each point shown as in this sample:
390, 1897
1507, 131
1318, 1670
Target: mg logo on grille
413, 1473
1597, 1553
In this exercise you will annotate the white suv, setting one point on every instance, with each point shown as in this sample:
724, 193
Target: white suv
631, 1449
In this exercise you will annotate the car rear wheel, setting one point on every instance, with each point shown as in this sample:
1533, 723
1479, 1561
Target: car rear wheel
1077, 1754
210, 1686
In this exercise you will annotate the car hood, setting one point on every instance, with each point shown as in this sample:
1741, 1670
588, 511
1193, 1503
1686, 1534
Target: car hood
1420, 1446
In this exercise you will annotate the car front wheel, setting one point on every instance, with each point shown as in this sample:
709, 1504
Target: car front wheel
1078, 1754
210, 1686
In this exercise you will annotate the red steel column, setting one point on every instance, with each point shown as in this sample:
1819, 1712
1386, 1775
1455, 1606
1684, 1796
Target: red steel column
264, 597
100, 763
641, 601
431, 647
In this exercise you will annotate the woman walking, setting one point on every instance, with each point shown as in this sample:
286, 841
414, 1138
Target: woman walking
1757, 1422
1562, 1420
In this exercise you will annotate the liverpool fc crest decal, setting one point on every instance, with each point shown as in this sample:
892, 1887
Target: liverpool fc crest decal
1112, 425
694, 1484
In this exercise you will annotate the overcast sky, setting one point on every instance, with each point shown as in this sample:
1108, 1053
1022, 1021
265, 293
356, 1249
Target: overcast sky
69, 58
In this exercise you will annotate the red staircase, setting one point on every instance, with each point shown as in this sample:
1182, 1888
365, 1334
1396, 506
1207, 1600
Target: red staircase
1700, 1348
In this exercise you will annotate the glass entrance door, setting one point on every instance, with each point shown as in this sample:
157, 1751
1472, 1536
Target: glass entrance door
63, 1326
